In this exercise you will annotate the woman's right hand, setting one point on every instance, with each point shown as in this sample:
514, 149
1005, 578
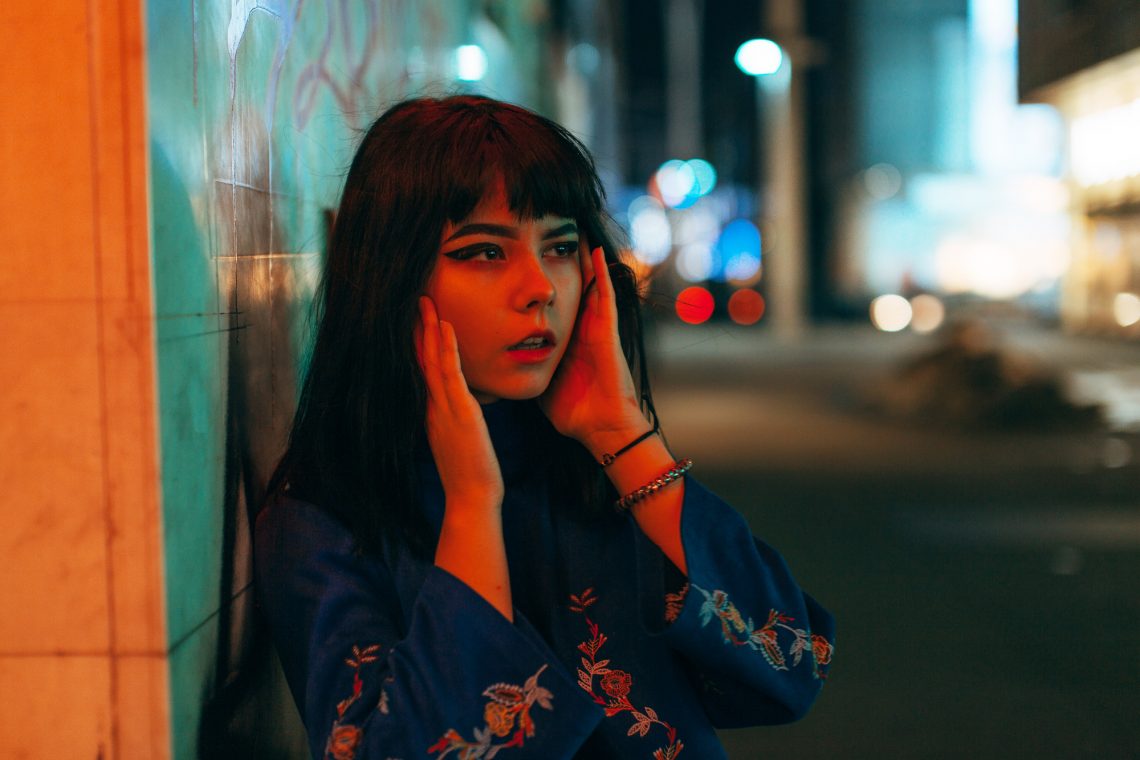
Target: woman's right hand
470, 543
456, 429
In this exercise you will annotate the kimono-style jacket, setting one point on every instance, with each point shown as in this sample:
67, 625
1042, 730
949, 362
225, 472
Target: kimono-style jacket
613, 653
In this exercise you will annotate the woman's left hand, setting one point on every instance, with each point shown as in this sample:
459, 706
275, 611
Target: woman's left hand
592, 392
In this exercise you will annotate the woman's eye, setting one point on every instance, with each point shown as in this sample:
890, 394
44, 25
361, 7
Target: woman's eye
478, 253
565, 250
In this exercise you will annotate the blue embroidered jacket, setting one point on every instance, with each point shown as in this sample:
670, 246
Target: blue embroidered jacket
613, 653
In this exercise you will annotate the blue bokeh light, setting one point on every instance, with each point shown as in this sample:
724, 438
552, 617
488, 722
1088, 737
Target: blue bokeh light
738, 247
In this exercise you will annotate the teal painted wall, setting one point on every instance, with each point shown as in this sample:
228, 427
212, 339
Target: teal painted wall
254, 110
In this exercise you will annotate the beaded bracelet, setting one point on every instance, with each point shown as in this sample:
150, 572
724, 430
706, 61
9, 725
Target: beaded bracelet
673, 473
608, 459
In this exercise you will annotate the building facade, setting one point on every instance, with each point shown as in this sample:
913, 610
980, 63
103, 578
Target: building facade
1084, 59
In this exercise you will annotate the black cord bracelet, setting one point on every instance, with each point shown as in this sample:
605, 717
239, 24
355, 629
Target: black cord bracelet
608, 459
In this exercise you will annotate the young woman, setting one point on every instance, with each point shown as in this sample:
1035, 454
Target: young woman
478, 544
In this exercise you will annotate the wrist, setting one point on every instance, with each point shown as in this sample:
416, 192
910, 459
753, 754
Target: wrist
600, 442
640, 466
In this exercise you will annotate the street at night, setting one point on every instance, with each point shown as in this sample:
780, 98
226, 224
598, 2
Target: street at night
270, 266
983, 580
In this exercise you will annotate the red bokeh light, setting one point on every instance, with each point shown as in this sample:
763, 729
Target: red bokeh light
746, 306
694, 305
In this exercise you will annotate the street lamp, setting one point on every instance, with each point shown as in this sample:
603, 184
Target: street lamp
759, 57
780, 111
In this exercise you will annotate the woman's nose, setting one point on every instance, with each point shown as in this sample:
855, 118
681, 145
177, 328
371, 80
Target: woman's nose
535, 288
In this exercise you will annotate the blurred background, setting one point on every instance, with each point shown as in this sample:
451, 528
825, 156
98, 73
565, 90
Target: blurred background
891, 261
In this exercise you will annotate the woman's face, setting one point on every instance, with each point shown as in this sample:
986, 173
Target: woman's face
511, 289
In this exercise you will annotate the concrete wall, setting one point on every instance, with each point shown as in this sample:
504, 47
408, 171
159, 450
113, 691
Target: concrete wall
83, 668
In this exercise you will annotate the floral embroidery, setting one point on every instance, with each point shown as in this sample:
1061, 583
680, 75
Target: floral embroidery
616, 684
509, 706
821, 650
344, 738
674, 603
740, 632
343, 741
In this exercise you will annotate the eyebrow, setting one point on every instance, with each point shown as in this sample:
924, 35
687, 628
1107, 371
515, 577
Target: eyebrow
502, 230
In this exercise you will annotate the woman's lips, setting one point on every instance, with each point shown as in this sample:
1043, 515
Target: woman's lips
545, 336
531, 355
534, 348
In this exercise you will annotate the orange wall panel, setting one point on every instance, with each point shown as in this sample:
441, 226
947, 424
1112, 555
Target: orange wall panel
85, 637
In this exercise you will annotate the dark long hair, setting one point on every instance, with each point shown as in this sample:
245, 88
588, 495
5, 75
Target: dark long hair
360, 419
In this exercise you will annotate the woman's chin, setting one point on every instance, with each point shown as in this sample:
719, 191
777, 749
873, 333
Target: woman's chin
513, 392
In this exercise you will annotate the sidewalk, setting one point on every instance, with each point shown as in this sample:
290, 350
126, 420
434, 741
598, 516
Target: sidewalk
1097, 370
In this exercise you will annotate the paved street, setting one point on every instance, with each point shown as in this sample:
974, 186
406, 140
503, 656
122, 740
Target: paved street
985, 581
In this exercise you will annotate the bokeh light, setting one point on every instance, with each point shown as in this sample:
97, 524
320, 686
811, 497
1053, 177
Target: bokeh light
694, 305
1126, 309
695, 262
680, 184
705, 174
882, 181
677, 183
991, 268
700, 224
759, 57
470, 63
1104, 145
649, 230
739, 249
585, 58
746, 306
890, 313
927, 312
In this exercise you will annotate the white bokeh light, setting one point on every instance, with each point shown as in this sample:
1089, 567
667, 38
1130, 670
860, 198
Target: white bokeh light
695, 262
759, 57
470, 63
991, 268
649, 230
1104, 145
1126, 309
890, 313
676, 181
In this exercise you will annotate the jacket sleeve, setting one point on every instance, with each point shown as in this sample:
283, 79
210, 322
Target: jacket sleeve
454, 679
756, 646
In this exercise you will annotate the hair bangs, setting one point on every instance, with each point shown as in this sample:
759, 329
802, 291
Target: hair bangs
543, 169
549, 173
